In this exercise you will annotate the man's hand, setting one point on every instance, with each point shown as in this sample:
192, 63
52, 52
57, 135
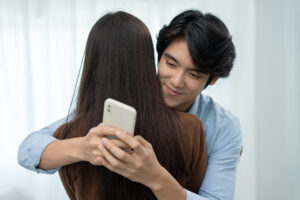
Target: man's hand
68, 151
139, 165
90, 148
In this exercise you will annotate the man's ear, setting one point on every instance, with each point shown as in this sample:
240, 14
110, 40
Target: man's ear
214, 81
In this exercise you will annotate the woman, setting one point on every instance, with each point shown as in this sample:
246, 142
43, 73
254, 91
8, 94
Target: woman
119, 64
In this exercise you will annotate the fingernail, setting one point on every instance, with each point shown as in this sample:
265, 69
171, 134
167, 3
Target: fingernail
119, 133
101, 147
104, 140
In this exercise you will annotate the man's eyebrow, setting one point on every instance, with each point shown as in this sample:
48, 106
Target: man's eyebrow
196, 70
172, 58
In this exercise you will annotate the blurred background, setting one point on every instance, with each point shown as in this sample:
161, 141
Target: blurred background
42, 44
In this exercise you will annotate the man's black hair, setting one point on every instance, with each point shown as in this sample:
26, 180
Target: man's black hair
208, 39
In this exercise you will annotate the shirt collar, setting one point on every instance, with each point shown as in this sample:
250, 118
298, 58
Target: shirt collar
195, 107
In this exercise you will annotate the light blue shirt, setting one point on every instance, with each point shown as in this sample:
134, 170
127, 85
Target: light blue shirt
223, 142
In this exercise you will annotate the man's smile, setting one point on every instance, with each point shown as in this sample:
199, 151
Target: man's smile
172, 92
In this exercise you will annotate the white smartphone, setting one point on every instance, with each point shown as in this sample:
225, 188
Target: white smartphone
119, 115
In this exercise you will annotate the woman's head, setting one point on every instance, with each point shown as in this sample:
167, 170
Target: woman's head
119, 59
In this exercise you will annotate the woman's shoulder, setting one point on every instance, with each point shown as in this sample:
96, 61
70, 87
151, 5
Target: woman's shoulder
195, 149
188, 119
192, 126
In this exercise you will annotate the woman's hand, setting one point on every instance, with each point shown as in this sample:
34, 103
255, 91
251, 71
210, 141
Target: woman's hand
139, 165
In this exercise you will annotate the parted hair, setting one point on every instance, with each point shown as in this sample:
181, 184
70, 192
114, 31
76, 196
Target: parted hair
119, 64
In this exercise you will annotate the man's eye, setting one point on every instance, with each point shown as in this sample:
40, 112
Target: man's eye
195, 75
171, 64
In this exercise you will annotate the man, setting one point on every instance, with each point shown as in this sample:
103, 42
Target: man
194, 51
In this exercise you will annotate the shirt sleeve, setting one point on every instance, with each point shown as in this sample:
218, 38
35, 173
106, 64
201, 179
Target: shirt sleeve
220, 176
31, 149
192, 196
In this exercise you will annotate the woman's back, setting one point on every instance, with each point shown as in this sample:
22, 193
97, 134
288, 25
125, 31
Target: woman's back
119, 64
85, 181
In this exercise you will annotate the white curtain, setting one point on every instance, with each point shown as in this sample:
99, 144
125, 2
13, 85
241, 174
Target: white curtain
41, 47
277, 90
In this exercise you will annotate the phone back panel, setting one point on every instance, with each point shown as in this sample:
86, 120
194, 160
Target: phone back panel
119, 115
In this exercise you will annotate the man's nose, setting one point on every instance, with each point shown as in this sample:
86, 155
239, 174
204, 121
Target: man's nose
178, 79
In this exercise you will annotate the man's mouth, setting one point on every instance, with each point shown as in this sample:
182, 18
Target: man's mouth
172, 92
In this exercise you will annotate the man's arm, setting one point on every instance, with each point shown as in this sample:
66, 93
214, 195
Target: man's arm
62, 152
41, 152
219, 180
220, 176
31, 149
140, 165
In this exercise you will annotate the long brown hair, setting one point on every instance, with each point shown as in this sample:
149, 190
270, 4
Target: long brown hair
119, 64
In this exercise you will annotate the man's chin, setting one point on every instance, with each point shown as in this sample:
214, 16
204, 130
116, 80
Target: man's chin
171, 105
176, 106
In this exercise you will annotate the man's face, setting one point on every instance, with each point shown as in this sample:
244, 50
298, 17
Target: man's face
181, 82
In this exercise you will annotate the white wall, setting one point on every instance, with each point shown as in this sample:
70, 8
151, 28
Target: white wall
277, 99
